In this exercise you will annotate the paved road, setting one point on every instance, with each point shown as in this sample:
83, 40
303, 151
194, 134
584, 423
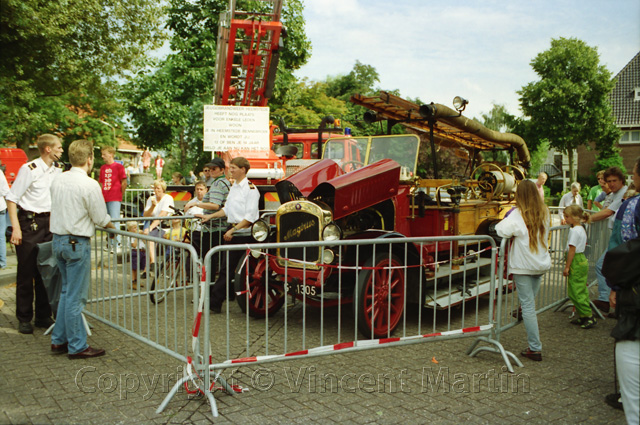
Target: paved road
432, 382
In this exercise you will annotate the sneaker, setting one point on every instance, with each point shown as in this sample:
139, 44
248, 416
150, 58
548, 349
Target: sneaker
577, 321
588, 323
613, 400
25, 328
536, 356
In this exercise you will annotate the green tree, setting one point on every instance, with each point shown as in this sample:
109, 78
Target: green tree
499, 119
59, 63
569, 105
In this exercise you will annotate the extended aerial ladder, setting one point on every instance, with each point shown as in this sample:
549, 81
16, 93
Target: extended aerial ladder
247, 54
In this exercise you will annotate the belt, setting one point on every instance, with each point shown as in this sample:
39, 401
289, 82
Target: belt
44, 214
72, 236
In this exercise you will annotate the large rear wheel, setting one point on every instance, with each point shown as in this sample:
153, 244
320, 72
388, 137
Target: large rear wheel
379, 296
251, 290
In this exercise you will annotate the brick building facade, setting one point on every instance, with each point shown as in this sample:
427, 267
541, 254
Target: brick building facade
625, 100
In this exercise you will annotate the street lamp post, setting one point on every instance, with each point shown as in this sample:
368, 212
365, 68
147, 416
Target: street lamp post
113, 127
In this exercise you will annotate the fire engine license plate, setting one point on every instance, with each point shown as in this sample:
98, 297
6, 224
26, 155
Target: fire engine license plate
301, 289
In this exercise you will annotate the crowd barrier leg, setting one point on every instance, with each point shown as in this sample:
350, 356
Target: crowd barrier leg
494, 347
198, 371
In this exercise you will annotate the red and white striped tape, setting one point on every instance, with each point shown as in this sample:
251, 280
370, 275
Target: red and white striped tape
358, 344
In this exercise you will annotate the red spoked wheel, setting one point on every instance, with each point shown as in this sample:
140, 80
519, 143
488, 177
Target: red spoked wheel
380, 296
251, 290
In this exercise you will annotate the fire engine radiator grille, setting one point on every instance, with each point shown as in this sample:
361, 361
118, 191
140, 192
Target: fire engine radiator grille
299, 227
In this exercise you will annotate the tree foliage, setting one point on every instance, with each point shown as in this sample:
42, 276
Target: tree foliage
499, 119
59, 63
569, 105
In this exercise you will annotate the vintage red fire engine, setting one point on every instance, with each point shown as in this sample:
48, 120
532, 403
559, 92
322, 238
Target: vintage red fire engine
367, 188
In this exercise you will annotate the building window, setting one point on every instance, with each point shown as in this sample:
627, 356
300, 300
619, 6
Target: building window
637, 94
629, 137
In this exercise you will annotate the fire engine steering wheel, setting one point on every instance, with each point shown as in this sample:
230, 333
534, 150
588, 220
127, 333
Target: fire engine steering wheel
354, 165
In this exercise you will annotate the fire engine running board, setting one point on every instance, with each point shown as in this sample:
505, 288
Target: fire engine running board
443, 300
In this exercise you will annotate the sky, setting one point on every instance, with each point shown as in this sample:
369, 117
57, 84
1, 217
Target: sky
480, 50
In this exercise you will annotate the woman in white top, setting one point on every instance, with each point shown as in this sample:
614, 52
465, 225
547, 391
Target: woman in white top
528, 225
158, 205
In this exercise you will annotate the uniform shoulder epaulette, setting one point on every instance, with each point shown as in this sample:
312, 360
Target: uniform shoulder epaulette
58, 164
33, 166
252, 186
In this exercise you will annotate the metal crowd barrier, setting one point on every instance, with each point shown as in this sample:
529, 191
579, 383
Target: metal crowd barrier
462, 292
553, 288
309, 321
159, 309
133, 201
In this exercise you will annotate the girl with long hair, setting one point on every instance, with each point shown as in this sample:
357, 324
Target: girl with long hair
528, 225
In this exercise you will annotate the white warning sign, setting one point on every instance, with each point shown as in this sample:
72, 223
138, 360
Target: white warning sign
236, 128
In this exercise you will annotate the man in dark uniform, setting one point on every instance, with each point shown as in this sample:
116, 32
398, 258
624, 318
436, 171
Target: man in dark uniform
213, 201
29, 206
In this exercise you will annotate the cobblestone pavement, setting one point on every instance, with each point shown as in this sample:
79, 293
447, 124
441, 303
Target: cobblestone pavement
432, 382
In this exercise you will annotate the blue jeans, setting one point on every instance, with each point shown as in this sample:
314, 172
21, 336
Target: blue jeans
528, 287
3, 239
74, 263
113, 209
603, 288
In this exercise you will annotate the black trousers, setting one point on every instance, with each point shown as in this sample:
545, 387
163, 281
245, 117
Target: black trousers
205, 240
218, 291
28, 279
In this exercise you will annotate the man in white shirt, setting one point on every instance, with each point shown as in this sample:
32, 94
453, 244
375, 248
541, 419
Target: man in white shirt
4, 191
29, 207
614, 177
77, 206
241, 210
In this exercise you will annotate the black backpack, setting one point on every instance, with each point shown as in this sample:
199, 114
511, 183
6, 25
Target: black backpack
621, 265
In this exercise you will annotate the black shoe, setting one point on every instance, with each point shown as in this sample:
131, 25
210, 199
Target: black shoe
603, 306
44, 323
60, 348
577, 321
25, 328
517, 314
216, 309
588, 323
613, 400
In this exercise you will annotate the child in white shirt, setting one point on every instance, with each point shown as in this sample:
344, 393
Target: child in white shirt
577, 266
